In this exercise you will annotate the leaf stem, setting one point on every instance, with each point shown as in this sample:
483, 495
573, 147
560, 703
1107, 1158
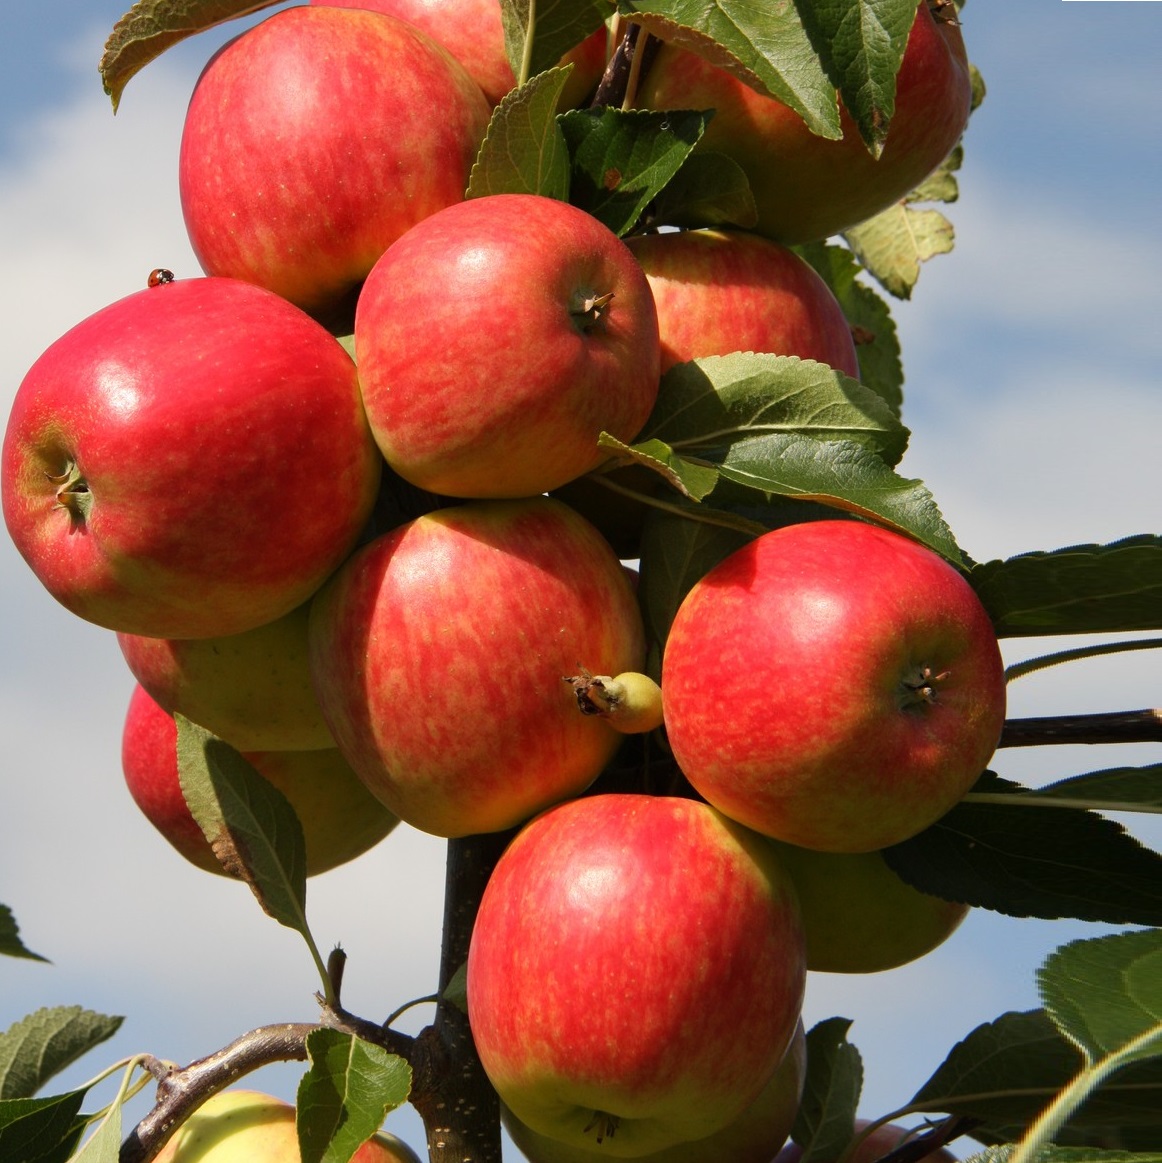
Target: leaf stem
1031, 665
707, 516
1043, 1129
391, 1018
526, 62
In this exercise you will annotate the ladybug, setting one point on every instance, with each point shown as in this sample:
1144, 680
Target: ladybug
159, 277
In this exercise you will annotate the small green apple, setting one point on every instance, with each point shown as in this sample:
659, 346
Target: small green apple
247, 1126
859, 916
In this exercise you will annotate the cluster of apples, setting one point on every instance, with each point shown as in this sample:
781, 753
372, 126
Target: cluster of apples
350, 571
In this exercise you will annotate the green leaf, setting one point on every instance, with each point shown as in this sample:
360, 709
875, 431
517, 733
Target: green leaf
1082, 589
350, 1088
456, 991
104, 1144
717, 401
1014, 859
825, 1123
1007, 1071
691, 480
892, 245
248, 822
675, 553
152, 26
1105, 994
861, 44
710, 189
47, 1041
872, 326
1117, 789
524, 150
765, 45
622, 158
559, 26
40, 1130
841, 474
10, 942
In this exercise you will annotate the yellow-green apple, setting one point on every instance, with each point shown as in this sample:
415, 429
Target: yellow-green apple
833, 684
753, 1137
340, 817
438, 653
859, 916
251, 689
246, 1126
314, 140
805, 186
539, 332
191, 461
719, 291
472, 31
876, 1145
635, 973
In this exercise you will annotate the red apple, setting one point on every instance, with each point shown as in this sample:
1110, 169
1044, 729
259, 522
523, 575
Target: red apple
635, 973
753, 1137
191, 461
833, 684
720, 291
875, 1146
471, 30
252, 689
440, 654
340, 818
859, 916
312, 142
805, 186
245, 1126
538, 332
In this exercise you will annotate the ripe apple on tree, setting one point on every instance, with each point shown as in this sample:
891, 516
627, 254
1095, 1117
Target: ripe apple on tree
341, 819
439, 653
153, 469
310, 145
833, 684
859, 916
719, 291
753, 1137
251, 689
246, 1126
539, 332
807, 187
472, 31
635, 974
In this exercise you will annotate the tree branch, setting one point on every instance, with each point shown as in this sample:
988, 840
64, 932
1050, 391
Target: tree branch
1110, 727
460, 1109
180, 1092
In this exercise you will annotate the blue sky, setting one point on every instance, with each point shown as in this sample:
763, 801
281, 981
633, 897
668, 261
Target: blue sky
1032, 355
